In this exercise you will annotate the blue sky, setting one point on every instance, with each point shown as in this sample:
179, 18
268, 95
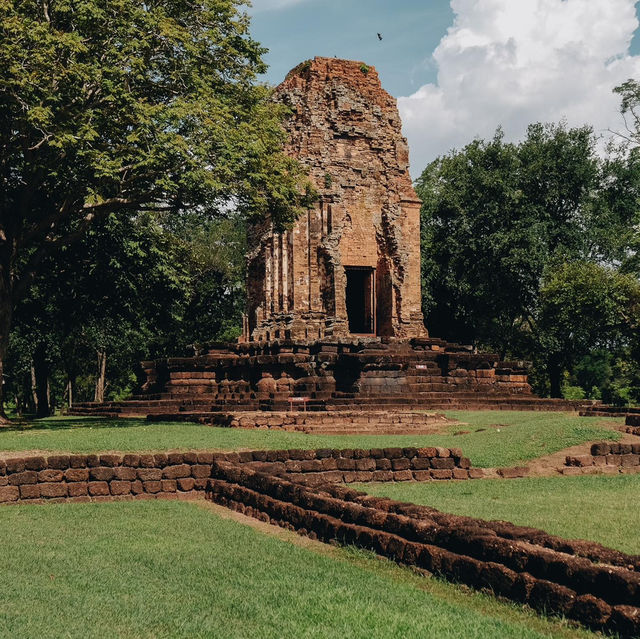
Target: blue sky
460, 68
411, 30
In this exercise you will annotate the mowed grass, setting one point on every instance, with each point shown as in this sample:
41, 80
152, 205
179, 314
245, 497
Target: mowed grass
495, 438
174, 569
513, 437
598, 508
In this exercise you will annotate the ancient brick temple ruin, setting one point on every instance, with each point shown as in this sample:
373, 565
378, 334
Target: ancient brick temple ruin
351, 265
333, 317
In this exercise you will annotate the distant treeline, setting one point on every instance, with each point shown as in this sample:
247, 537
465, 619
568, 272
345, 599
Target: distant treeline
531, 249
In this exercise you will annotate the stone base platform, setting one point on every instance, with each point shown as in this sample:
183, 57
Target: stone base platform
346, 374
606, 410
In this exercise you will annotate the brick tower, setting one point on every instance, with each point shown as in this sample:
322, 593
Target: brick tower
351, 264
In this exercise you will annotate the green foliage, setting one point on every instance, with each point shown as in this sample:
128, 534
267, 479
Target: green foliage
495, 215
573, 392
584, 302
364, 69
133, 288
112, 111
619, 393
585, 307
526, 246
216, 292
120, 290
119, 104
594, 370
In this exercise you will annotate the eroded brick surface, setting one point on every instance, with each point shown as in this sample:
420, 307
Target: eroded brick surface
346, 130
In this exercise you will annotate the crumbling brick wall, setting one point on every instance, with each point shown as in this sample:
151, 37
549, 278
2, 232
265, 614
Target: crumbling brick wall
297, 489
610, 456
150, 475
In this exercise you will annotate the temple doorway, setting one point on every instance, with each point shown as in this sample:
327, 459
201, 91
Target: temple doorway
360, 296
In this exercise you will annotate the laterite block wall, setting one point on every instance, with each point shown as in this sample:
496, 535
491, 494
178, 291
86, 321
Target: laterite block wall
598, 586
633, 424
607, 456
98, 477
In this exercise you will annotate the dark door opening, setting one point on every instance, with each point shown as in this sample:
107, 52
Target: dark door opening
360, 299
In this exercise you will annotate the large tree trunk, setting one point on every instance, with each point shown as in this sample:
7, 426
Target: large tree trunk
70, 391
554, 370
6, 312
102, 375
41, 370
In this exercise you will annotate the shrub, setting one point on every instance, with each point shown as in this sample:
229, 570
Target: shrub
573, 392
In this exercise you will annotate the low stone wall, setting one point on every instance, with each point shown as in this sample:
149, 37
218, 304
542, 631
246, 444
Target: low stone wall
316, 467
607, 456
108, 476
632, 423
299, 489
342, 422
580, 580
87, 477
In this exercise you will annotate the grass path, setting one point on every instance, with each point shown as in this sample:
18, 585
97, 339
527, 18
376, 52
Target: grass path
172, 569
599, 508
494, 438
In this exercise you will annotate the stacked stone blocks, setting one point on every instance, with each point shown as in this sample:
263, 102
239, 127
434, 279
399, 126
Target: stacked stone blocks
611, 457
89, 477
577, 579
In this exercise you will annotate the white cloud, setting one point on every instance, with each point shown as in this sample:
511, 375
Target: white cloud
513, 62
273, 5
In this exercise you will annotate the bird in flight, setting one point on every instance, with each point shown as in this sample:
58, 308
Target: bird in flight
379, 36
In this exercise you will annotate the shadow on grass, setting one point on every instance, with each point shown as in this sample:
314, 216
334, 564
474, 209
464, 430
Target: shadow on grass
69, 423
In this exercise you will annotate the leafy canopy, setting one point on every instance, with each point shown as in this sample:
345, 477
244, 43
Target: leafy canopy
495, 215
123, 106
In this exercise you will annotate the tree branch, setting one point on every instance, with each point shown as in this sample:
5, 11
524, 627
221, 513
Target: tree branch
92, 214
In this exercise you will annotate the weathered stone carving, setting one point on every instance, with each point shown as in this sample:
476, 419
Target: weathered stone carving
351, 265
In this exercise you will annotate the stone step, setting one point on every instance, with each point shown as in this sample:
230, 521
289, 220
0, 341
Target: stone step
176, 376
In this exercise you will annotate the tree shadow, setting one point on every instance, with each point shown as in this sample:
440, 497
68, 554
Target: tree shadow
72, 423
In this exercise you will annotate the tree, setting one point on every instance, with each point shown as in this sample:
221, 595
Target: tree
111, 297
495, 215
629, 93
117, 107
478, 245
584, 307
217, 269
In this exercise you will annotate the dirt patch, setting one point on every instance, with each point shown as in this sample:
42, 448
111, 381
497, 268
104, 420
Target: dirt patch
553, 464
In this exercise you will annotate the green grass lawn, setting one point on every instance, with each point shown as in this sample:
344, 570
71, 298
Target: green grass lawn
496, 438
599, 508
174, 569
